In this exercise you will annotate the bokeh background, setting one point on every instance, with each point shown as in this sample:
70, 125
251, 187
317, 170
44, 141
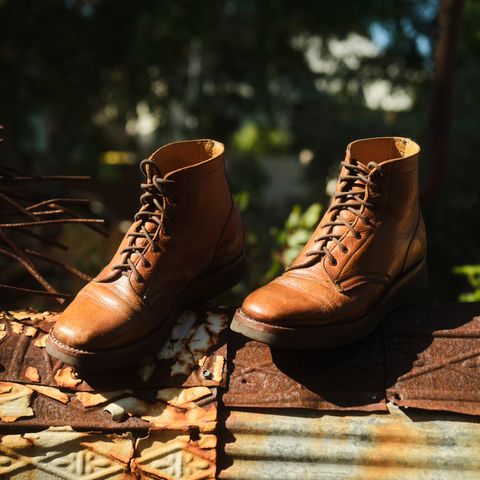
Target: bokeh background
92, 87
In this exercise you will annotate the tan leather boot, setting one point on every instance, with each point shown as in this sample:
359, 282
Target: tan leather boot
185, 246
366, 257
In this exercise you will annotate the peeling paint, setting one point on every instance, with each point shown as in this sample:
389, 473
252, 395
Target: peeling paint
30, 331
67, 377
190, 342
147, 367
176, 410
16, 327
31, 373
40, 342
66, 454
176, 365
15, 401
88, 399
51, 392
27, 314
169, 455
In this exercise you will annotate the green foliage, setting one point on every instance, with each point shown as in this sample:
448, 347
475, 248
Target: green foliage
242, 200
73, 74
290, 239
472, 273
253, 139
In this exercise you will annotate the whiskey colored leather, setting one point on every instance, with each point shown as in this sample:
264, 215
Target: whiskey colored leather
313, 291
201, 233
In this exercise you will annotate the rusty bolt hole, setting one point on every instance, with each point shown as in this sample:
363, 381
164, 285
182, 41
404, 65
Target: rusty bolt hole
244, 380
194, 434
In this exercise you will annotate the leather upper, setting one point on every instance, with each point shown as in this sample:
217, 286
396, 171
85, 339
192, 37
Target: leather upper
388, 241
200, 232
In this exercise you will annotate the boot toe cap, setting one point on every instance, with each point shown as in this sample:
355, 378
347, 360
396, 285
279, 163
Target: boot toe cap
281, 304
87, 325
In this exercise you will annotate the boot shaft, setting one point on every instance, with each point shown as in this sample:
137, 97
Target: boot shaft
197, 208
374, 217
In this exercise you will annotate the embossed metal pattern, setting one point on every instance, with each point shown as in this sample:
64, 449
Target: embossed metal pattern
194, 355
65, 454
309, 445
433, 357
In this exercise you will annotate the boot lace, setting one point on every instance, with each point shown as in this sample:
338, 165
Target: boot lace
152, 210
347, 199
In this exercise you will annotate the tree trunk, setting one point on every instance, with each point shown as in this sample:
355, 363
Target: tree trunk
449, 19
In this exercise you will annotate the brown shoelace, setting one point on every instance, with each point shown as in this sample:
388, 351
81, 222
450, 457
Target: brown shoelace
351, 200
152, 210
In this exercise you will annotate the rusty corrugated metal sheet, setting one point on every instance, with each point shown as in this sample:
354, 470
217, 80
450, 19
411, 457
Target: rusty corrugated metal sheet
422, 356
433, 357
309, 445
336, 379
24, 408
156, 419
159, 418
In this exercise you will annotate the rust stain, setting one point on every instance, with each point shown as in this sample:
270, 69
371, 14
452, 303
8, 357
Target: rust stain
433, 358
263, 377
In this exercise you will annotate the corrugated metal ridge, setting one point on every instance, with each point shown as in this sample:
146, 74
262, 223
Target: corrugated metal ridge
309, 445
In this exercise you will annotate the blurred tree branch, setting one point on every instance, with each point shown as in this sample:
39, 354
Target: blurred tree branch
449, 22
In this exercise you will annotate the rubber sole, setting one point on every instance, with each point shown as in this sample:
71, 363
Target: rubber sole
202, 289
400, 292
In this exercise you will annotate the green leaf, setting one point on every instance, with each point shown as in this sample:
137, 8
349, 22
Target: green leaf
311, 216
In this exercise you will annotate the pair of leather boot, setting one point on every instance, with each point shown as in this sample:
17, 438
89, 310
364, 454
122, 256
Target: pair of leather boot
186, 245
